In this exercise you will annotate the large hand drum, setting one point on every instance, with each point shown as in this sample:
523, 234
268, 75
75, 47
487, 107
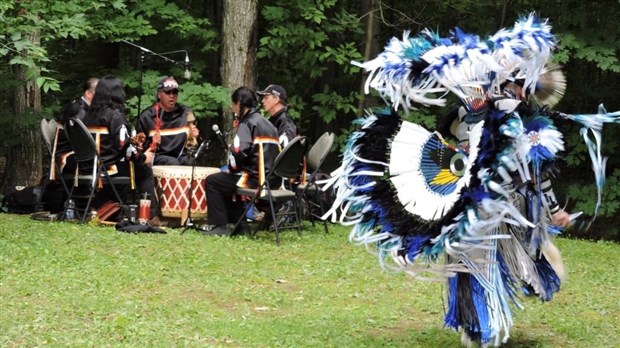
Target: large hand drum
172, 184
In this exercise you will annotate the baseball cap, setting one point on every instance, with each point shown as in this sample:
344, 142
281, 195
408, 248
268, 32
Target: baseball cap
168, 83
276, 90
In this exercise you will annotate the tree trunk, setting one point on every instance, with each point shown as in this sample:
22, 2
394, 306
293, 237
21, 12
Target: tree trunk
239, 43
238, 51
23, 160
371, 25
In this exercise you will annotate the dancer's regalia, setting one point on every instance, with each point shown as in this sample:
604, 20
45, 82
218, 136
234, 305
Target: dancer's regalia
476, 215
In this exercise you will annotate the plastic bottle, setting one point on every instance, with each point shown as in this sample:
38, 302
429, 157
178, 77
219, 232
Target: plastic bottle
70, 211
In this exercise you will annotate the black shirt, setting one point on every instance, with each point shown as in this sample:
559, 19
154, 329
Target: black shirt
174, 130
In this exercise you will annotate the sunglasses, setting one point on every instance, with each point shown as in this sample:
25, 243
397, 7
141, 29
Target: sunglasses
172, 92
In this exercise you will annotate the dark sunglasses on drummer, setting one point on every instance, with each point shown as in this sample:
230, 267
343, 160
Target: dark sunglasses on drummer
174, 92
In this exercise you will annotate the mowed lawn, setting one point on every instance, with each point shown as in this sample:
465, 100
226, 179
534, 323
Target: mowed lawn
69, 285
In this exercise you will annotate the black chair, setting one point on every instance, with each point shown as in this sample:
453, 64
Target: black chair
309, 192
85, 149
286, 166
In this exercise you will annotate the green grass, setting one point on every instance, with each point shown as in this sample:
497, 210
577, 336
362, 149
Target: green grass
63, 284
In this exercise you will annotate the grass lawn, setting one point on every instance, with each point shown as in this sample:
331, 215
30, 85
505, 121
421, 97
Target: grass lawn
64, 284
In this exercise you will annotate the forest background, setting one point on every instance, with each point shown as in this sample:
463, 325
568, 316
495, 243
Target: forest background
48, 48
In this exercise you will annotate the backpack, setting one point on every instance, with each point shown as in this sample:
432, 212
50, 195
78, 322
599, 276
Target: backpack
22, 199
30, 199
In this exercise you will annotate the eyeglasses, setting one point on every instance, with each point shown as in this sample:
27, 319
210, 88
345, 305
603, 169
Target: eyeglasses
172, 92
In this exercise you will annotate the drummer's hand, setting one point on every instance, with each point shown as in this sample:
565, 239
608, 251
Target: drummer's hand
561, 218
149, 155
156, 139
194, 132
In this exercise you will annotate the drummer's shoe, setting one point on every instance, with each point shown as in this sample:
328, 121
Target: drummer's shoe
254, 214
220, 230
242, 229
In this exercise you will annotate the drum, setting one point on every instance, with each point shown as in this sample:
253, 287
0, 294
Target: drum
172, 185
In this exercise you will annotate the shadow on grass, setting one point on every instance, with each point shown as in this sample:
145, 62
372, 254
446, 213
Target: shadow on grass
437, 337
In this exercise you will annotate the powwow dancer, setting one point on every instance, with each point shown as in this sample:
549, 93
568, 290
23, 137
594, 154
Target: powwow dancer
478, 216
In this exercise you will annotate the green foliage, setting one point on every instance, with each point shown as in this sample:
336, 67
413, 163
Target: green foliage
342, 55
578, 154
424, 117
329, 104
315, 41
77, 19
206, 99
343, 137
585, 196
589, 49
48, 84
61, 22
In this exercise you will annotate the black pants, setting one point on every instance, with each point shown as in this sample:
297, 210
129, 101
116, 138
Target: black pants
144, 182
163, 160
220, 188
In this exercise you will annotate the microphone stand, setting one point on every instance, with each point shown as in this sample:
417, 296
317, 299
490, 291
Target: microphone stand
190, 189
143, 52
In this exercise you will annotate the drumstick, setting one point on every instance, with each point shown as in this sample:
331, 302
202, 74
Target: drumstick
157, 136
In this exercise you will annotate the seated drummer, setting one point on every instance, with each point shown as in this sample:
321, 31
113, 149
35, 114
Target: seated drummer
107, 121
64, 152
169, 126
253, 132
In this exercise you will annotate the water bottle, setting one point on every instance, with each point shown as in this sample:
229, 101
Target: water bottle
70, 211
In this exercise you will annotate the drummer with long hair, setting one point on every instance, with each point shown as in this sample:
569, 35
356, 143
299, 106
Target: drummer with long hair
247, 163
107, 121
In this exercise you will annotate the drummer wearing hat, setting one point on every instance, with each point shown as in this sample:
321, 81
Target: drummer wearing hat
169, 126
275, 102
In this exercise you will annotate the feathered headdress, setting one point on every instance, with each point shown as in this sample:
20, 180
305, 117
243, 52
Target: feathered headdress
423, 68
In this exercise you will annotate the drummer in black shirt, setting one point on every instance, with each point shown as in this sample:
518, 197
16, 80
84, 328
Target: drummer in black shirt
169, 126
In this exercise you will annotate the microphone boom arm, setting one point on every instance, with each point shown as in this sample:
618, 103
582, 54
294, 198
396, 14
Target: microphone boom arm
143, 51
160, 55
204, 145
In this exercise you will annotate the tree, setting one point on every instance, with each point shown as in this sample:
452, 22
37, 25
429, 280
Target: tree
370, 10
238, 53
26, 101
23, 47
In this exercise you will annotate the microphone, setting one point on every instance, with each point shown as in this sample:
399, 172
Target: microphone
187, 74
200, 148
216, 130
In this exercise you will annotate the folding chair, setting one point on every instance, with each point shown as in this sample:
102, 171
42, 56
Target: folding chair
86, 150
49, 130
286, 166
309, 191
